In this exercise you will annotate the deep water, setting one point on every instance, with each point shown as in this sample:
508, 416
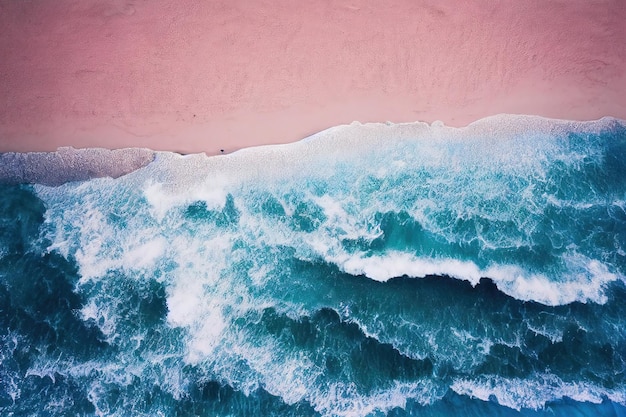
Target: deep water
401, 270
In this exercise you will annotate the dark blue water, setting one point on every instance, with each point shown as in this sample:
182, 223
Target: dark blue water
378, 270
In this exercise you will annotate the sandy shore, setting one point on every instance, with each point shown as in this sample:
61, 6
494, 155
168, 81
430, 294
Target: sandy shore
193, 76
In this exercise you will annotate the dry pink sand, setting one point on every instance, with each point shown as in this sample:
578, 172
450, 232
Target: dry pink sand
192, 76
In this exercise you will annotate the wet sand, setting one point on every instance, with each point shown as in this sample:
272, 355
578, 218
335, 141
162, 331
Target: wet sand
219, 75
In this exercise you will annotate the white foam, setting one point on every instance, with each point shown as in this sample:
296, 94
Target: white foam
398, 264
341, 399
533, 393
103, 377
586, 282
102, 316
10, 380
588, 285
145, 254
162, 199
292, 376
195, 295
323, 150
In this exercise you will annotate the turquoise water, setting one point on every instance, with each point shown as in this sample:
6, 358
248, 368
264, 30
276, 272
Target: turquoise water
377, 270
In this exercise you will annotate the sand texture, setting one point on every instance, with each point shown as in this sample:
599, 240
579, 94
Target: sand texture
192, 76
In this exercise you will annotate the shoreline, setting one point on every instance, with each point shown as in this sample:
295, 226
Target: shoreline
67, 164
188, 78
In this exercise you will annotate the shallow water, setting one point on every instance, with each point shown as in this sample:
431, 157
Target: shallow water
368, 270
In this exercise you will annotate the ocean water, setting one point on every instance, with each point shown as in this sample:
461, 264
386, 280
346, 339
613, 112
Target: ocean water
370, 270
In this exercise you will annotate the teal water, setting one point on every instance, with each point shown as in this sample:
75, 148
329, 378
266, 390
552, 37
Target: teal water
378, 270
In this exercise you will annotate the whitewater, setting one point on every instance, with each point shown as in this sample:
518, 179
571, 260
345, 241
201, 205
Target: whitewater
368, 270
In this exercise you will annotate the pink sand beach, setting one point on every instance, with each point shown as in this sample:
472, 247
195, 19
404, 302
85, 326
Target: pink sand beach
205, 76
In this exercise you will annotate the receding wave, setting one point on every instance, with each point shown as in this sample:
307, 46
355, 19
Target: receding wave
397, 269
